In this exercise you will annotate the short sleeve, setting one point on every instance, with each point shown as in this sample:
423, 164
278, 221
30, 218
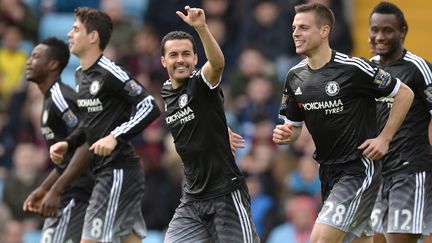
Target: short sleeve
289, 110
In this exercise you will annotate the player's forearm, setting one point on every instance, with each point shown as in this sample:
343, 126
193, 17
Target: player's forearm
50, 180
76, 166
212, 50
402, 103
76, 138
296, 131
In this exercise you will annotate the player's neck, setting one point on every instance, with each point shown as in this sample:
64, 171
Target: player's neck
49, 81
393, 57
176, 84
320, 58
88, 58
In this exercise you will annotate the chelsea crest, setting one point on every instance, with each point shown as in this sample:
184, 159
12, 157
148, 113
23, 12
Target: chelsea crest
332, 88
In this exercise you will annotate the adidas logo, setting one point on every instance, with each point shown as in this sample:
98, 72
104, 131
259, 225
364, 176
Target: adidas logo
298, 91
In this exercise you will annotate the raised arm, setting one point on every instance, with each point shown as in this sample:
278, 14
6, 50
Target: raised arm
215, 64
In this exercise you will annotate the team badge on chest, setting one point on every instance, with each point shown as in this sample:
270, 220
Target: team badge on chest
332, 88
183, 100
94, 87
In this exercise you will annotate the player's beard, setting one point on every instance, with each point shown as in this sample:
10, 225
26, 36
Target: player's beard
392, 49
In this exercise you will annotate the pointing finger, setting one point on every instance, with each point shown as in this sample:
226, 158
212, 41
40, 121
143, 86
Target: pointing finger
181, 15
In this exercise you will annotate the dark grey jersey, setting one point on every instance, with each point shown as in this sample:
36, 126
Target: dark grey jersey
410, 149
196, 119
111, 101
337, 103
60, 117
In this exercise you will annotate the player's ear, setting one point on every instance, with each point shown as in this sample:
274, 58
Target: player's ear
195, 59
403, 32
53, 64
94, 36
163, 61
325, 31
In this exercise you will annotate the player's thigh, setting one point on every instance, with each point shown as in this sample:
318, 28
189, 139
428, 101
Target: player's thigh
88, 241
115, 205
233, 220
132, 238
379, 238
187, 226
405, 238
67, 227
363, 239
322, 233
427, 239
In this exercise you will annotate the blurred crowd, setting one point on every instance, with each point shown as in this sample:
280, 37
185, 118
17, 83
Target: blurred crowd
255, 36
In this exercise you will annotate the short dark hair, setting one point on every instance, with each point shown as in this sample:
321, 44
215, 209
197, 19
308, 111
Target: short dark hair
390, 8
323, 14
95, 20
177, 35
58, 50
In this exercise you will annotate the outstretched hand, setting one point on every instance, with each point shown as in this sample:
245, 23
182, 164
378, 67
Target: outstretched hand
195, 16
